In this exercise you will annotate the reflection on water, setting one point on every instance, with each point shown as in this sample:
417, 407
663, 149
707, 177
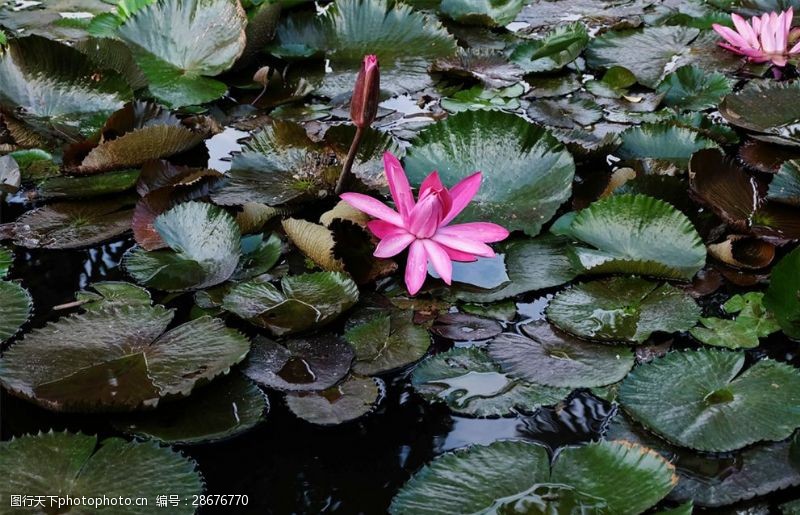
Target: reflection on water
220, 147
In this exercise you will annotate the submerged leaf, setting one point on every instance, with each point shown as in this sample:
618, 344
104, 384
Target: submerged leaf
351, 399
385, 339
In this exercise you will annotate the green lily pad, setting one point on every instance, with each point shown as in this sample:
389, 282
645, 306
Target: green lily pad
566, 113
491, 13
644, 52
460, 327
205, 247
532, 264
691, 88
65, 187
527, 174
307, 364
50, 19
544, 356
751, 323
477, 98
624, 309
15, 305
767, 107
715, 406
73, 225
635, 234
385, 339
109, 294
782, 295
57, 89
349, 400
516, 477
6, 260
229, 407
470, 383
306, 301
667, 142
76, 465
118, 359
178, 65
553, 51
258, 256
785, 186
489, 66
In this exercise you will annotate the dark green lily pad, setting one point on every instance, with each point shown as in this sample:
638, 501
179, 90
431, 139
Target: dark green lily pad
470, 383
527, 174
6, 260
491, 67
785, 186
782, 296
624, 309
667, 142
351, 399
516, 477
204, 251
635, 234
258, 255
227, 408
767, 107
549, 358
118, 359
65, 187
58, 89
566, 113
178, 64
460, 327
15, 308
751, 322
553, 51
109, 294
386, 339
645, 52
307, 364
50, 19
694, 89
715, 406
73, 225
76, 465
491, 13
306, 301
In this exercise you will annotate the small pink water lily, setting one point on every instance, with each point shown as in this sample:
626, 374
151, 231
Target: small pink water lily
422, 226
762, 39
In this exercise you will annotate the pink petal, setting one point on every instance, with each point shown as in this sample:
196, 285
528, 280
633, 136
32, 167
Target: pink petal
746, 31
474, 247
753, 54
416, 267
439, 259
795, 49
730, 35
393, 245
431, 182
398, 185
481, 231
461, 194
424, 218
383, 229
372, 207
457, 255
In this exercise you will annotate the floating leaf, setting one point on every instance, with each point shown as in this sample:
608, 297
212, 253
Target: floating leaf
118, 359
566, 113
307, 301
205, 247
782, 296
636, 234
229, 407
108, 294
646, 53
15, 308
351, 399
662, 141
491, 13
54, 19
307, 364
553, 51
315, 241
767, 107
625, 309
65, 187
491, 67
693, 89
470, 383
516, 477
751, 323
6, 260
163, 37
745, 252
527, 174
459, 327
75, 466
785, 186
715, 406
544, 356
258, 256
386, 339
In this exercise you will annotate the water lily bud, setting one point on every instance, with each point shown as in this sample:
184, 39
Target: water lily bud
364, 104
262, 76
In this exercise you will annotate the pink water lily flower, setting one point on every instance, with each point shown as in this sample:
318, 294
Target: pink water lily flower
422, 226
762, 39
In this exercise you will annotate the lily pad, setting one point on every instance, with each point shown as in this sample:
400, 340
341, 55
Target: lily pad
56, 88
178, 64
624, 309
715, 406
205, 247
767, 107
636, 234
750, 323
109, 294
6, 260
308, 364
491, 67
516, 477
549, 358
229, 407
470, 383
460, 327
258, 256
667, 142
491, 13
76, 465
693, 89
66, 187
644, 52
306, 301
566, 113
782, 296
15, 308
553, 51
351, 399
527, 174
386, 339
785, 186
118, 359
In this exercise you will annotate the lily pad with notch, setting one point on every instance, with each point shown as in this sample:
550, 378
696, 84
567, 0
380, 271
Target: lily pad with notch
553, 51
108, 294
694, 89
767, 108
751, 321
349, 400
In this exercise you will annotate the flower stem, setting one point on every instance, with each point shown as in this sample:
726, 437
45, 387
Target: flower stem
347, 173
